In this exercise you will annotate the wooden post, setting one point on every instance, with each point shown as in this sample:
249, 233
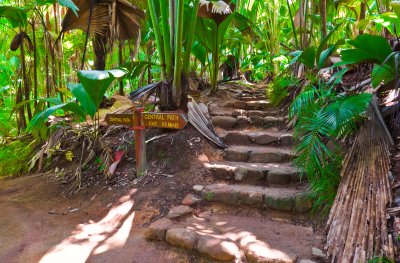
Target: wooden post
140, 144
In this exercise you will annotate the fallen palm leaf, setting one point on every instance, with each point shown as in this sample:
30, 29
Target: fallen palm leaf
357, 225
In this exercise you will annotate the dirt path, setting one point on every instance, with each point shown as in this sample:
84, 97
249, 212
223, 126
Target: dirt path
254, 189
39, 226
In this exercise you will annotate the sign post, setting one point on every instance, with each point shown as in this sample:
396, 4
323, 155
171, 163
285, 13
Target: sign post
138, 121
140, 144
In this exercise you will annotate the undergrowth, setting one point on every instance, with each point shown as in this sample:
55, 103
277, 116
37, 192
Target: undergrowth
278, 90
323, 117
14, 157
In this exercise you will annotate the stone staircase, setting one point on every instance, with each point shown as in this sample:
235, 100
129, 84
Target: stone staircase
256, 172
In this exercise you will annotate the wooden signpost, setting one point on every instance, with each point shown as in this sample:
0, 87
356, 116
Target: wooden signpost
139, 121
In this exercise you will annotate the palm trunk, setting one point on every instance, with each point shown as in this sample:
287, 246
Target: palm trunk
323, 18
177, 84
120, 61
166, 37
35, 77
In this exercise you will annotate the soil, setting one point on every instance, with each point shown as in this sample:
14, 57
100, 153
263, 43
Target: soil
43, 221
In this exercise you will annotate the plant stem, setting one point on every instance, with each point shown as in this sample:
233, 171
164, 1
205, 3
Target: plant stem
177, 84
158, 38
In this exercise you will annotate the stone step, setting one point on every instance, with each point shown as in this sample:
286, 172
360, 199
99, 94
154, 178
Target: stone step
256, 136
232, 122
252, 97
258, 154
293, 200
256, 173
234, 238
249, 105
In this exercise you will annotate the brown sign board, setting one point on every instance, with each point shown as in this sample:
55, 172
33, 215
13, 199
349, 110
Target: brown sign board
165, 120
120, 119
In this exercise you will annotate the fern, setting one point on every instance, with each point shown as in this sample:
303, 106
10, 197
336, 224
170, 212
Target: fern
324, 116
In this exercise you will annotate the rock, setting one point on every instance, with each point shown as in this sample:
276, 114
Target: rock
236, 138
242, 121
280, 203
221, 193
306, 261
249, 174
237, 113
318, 254
158, 229
181, 237
218, 249
303, 204
179, 211
260, 252
250, 198
198, 188
269, 120
237, 154
190, 199
287, 139
262, 138
224, 122
258, 113
279, 176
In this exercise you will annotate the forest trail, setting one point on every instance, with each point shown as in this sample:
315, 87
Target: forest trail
248, 204
256, 209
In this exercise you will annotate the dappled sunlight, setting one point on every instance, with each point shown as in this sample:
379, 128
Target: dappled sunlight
109, 233
260, 239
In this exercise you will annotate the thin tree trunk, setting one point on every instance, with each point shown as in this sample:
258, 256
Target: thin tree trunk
363, 10
35, 78
120, 61
99, 46
323, 18
26, 81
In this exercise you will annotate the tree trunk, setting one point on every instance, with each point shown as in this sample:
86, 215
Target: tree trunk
26, 81
323, 18
99, 46
363, 10
120, 61
35, 78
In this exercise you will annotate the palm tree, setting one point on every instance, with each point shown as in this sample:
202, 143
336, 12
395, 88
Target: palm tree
107, 21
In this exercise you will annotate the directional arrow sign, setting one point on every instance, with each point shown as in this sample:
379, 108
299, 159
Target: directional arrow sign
167, 120
120, 119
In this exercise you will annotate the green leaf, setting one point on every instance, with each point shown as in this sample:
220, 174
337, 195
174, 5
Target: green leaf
368, 48
381, 74
70, 5
307, 57
83, 97
223, 27
396, 7
15, 15
324, 42
42, 116
325, 55
95, 84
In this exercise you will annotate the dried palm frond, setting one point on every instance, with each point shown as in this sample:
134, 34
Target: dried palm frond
118, 19
357, 225
217, 10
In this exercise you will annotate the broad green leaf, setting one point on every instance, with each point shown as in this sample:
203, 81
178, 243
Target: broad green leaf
70, 5
223, 27
324, 43
381, 74
15, 15
95, 84
83, 97
396, 7
368, 48
325, 55
42, 116
307, 57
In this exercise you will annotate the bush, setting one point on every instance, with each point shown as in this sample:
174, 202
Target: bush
278, 90
14, 157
